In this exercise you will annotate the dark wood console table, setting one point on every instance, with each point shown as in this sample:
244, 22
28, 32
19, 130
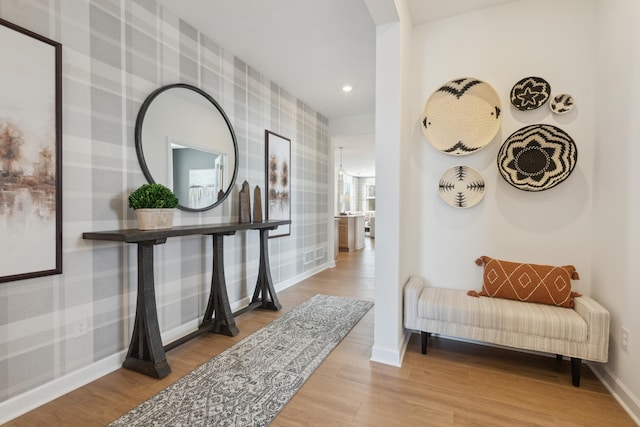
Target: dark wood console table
146, 352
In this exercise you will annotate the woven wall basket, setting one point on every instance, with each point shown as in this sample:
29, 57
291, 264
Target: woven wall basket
562, 104
537, 157
462, 116
530, 93
461, 187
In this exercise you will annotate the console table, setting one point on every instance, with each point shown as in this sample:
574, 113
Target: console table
146, 352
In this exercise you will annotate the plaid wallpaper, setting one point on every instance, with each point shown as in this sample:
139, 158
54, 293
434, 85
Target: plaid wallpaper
115, 53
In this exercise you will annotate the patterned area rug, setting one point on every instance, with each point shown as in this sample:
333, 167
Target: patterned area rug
249, 383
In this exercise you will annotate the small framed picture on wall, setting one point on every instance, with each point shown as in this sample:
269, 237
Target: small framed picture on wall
278, 181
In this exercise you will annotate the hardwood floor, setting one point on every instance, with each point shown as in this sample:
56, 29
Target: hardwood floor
458, 383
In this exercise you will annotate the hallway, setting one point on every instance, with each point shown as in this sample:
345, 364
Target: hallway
456, 384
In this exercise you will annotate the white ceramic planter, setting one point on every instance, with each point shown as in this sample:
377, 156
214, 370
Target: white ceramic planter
154, 219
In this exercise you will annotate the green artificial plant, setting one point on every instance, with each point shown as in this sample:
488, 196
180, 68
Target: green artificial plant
152, 196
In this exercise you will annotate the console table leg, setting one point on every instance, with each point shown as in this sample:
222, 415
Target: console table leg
146, 353
264, 285
218, 313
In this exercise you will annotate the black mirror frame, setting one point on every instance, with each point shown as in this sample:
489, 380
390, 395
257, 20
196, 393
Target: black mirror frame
140, 152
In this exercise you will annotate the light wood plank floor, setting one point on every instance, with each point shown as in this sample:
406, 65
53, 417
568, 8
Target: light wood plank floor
457, 384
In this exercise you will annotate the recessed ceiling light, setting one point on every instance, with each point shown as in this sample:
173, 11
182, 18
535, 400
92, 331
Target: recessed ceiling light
347, 88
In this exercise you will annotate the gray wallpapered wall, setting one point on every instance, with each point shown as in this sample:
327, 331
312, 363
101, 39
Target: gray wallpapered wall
114, 54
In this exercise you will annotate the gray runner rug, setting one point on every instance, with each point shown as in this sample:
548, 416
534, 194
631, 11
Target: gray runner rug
249, 383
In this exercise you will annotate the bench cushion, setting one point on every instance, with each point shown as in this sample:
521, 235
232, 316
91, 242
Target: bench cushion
455, 306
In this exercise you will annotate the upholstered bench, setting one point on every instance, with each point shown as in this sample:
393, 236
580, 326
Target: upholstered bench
581, 332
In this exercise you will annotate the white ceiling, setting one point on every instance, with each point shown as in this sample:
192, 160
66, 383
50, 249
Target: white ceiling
309, 47
312, 48
423, 11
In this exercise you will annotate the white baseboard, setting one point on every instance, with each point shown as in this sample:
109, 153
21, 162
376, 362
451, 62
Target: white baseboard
620, 392
299, 278
391, 357
30, 400
23, 403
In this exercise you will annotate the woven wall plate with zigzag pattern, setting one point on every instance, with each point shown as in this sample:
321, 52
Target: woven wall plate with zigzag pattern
462, 116
461, 187
537, 157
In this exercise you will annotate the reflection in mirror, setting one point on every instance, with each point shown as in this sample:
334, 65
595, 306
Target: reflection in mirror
198, 175
186, 142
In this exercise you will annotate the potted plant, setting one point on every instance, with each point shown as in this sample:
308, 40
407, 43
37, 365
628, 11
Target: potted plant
154, 205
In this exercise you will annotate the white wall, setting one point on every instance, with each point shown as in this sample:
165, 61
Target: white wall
591, 219
500, 45
392, 85
616, 230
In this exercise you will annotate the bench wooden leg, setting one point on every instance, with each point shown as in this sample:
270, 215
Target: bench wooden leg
425, 341
576, 363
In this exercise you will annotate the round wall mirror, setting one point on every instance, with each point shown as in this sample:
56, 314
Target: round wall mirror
185, 141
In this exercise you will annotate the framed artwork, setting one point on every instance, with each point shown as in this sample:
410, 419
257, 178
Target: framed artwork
30, 154
278, 182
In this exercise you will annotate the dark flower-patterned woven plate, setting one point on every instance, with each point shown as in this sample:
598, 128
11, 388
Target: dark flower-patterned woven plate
537, 157
530, 93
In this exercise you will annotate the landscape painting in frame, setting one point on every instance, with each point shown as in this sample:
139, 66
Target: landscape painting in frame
30, 154
278, 167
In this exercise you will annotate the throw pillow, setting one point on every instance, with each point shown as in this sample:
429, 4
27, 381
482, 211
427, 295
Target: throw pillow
545, 284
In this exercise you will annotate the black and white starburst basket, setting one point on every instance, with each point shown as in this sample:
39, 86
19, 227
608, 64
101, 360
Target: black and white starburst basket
461, 187
462, 116
530, 93
537, 157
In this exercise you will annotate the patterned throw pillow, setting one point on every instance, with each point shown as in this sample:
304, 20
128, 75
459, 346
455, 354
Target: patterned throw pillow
545, 284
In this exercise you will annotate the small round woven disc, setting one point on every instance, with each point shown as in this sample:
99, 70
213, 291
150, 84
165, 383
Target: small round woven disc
561, 104
461, 187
